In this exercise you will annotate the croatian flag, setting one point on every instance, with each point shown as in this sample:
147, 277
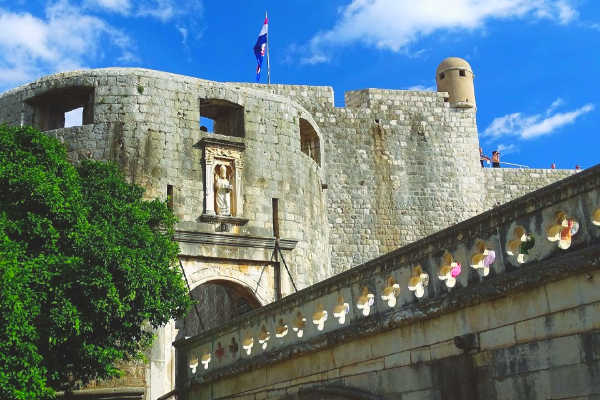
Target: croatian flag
259, 47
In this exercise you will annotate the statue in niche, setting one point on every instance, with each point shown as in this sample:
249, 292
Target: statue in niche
222, 191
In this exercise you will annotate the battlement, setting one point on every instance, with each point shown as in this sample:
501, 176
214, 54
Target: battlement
368, 98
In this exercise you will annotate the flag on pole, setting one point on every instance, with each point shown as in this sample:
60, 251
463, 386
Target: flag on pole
259, 47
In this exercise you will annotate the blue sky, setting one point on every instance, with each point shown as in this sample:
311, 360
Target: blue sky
536, 62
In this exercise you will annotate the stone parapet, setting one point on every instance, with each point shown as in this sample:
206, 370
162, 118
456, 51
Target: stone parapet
505, 184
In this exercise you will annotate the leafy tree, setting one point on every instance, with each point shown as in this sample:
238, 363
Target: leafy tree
86, 266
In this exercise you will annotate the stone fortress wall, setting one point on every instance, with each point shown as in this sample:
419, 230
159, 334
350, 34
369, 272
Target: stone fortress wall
511, 321
351, 183
398, 165
401, 165
148, 122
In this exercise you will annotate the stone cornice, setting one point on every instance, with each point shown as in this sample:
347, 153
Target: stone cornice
216, 142
223, 219
223, 239
117, 393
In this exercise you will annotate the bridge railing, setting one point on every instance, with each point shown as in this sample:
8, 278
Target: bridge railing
481, 258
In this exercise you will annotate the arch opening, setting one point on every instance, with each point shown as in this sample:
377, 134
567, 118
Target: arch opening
309, 141
218, 302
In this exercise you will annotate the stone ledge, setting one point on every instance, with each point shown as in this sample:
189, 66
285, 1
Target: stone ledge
220, 141
117, 393
222, 219
220, 239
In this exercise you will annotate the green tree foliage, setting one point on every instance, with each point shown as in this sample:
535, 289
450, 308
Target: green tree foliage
86, 267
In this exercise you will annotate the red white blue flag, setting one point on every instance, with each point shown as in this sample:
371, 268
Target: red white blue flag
260, 46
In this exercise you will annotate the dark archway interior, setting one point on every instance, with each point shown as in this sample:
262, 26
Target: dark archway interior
218, 302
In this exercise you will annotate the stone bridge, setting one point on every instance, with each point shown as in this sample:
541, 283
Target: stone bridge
505, 305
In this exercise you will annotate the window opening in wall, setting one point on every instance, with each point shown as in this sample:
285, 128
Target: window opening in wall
221, 117
170, 197
309, 141
74, 117
462, 72
63, 108
442, 75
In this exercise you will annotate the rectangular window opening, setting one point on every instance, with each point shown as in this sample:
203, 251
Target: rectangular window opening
442, 76
170, 197
221, 117
462, 72
63, 108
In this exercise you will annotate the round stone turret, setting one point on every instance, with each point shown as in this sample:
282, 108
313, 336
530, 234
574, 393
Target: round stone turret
455, 76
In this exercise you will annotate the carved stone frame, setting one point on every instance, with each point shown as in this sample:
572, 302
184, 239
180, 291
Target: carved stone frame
230, 153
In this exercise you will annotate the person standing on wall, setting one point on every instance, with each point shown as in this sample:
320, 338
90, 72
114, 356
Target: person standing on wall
483, 157
495, 159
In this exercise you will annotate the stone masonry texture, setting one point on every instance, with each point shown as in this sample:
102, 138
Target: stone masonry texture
393, 166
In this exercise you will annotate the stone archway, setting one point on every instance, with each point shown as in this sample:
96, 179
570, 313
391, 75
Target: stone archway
251, 276
218, 302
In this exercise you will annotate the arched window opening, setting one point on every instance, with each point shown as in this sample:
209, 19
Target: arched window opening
63, 108
309, 141
219, 301
221, 117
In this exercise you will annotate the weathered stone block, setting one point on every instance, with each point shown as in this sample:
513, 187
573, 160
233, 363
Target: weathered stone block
499, 337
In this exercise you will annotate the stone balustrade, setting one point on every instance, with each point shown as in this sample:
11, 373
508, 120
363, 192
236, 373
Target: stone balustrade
513, 247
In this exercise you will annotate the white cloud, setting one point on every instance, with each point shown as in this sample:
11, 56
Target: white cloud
555, 104
166, 10
394, 24
554, 122
163, 10
505, 149
529, 127
315, 59
184, 34
118, 6
422, 88
65, 39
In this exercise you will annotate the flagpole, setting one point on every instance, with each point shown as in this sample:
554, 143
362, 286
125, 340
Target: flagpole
268, 61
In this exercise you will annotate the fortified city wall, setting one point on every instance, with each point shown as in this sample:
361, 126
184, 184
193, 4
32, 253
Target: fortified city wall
402, 165
148, 122
511, 321
398, 165
350, 183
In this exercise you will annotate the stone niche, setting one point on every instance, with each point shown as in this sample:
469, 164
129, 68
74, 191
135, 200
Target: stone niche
222, 166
